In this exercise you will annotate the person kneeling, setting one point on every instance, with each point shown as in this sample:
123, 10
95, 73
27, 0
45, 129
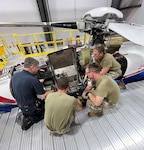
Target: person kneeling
60, 108
25, 88
106, 93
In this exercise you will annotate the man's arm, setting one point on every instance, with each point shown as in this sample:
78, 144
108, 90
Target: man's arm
97, 100
79, 105
104, 71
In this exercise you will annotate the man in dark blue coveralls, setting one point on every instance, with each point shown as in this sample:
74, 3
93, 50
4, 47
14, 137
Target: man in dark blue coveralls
26, 89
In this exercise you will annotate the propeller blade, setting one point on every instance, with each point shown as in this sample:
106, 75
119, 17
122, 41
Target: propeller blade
24, 24
71, 25
132, 32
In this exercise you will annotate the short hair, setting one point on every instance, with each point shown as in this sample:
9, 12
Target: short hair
100, 48
94, 67
30, 61
77, 36
62, 83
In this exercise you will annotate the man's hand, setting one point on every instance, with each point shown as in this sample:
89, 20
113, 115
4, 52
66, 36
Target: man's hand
79, 105
43, 96
50, 91
85, 94
41, 80
89, 87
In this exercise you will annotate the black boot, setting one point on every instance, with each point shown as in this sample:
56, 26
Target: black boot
27, 123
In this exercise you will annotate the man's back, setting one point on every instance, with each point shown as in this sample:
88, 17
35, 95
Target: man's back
58, 109
109, 61
107, 88
26, 87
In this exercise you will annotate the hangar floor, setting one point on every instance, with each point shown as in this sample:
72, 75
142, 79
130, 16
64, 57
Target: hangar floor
120, 128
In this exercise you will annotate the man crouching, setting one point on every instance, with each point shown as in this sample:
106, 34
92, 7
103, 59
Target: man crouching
106, 93
60, 108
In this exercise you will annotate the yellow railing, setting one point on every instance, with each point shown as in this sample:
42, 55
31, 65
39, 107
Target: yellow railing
3, 59
34, 44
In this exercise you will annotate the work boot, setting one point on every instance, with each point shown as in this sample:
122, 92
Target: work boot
27, 123
54, 133
121, 84
93, 114
38, 118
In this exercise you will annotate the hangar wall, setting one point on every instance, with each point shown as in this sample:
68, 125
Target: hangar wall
73, 9
19, 11
27, 11
134, 15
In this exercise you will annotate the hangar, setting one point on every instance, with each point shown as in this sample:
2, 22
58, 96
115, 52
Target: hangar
118, 128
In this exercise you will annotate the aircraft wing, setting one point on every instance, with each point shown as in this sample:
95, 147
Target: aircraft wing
132, 32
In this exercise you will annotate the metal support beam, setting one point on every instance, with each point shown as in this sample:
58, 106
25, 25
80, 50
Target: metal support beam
45, 16
116, 3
